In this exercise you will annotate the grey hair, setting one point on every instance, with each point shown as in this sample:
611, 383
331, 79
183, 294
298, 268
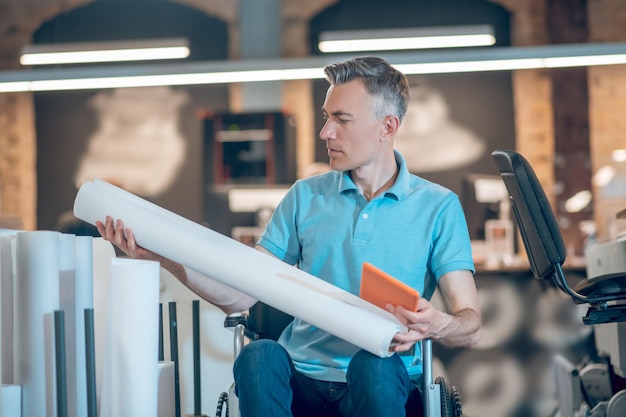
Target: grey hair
388, 87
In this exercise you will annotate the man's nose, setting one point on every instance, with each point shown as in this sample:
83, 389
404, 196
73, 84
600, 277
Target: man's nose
327, 132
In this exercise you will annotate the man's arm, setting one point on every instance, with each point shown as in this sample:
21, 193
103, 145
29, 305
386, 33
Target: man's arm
458, 327
222, 296
459, 292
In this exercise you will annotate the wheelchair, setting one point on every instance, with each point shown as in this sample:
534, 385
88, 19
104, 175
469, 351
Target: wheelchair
265, 322
596, 388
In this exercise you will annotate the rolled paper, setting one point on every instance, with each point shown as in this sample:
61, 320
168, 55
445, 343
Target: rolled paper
83, 299
10, 400
130, 377
76, 292
68, 298
166, 389
103, 255
9, 232
233, 263
7, 262
36, 297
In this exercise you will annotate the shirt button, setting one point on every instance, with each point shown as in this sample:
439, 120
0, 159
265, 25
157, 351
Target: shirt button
365, 216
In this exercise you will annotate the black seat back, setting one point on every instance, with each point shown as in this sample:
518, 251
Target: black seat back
544, 243
537, 223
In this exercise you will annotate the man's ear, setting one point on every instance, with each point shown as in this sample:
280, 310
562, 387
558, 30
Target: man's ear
390, 127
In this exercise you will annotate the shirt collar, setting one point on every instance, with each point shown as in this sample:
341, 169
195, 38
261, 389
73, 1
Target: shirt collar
397, 190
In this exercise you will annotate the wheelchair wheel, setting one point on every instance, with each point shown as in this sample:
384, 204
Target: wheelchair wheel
457, 411
446, 410
222, 403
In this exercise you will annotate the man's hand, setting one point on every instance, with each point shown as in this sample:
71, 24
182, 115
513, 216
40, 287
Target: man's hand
458, 327
425, 323
123, 238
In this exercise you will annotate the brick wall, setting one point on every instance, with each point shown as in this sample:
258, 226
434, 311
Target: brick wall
607, 104
18, 186
532, 93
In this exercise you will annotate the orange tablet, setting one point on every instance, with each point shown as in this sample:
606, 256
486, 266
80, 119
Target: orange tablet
380, 288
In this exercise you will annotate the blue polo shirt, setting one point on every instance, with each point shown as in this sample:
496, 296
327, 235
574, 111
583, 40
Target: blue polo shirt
415, 231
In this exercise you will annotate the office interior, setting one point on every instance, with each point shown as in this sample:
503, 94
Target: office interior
221, 154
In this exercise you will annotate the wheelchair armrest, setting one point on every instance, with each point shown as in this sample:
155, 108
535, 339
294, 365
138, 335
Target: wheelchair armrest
242, 319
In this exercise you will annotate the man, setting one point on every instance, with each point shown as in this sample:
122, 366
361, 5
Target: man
368, 208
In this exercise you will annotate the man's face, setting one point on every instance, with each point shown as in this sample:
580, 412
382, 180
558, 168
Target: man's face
351, 130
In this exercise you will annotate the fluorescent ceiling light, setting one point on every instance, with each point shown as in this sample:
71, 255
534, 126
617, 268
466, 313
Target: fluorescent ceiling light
160, 80
239, 71
511, 64
92, 52
398, 39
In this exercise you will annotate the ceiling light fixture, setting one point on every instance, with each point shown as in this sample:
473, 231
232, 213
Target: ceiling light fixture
240, 71
410, 38
97, 52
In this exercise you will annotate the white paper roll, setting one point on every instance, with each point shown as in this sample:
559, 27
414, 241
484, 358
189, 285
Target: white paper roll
10, 398
36, 297
83, 299
166, 399
7, 262
67, 298
130, 378
264, 277
103, 255
76, 294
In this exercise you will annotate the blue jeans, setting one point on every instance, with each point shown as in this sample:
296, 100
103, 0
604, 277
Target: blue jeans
267, 384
